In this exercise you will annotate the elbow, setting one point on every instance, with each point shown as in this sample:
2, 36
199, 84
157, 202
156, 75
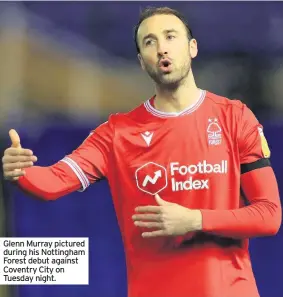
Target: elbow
272, 226
272, 230
42, 192
275, 226
48, 196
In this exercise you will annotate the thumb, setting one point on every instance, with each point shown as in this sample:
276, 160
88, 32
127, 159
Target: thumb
160, 201
15, 138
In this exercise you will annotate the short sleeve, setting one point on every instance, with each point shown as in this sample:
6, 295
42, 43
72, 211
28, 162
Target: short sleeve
253, 145
90, 160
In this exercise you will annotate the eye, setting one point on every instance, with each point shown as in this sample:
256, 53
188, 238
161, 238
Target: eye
171, 37
148, 42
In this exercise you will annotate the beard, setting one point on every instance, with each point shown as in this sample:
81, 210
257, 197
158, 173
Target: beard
171, 80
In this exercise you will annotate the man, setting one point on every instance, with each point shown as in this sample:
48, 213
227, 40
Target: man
176, 166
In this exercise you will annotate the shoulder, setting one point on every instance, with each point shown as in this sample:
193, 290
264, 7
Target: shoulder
230, 107
127, 118
225, 102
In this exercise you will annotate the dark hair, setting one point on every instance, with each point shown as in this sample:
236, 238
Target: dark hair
151, 11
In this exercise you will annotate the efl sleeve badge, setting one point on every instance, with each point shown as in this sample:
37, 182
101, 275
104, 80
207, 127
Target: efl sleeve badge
264, 145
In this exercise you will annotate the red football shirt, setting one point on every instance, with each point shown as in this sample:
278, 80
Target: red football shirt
192, 158
195, 158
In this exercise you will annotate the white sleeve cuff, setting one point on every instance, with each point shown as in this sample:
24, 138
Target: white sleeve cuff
79, 173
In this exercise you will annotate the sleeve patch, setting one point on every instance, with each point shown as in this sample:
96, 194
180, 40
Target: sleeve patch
264, 145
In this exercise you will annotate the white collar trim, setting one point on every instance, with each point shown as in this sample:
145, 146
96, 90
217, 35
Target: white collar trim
188, 110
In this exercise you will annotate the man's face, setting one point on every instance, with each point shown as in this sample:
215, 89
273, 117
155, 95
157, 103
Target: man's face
165, 51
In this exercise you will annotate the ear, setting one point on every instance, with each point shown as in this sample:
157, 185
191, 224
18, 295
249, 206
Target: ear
141, 61
193, 48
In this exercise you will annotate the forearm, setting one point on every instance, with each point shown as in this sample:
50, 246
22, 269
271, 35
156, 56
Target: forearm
49, 183
261, 218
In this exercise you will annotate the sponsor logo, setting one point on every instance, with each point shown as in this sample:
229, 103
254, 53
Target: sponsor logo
153, 178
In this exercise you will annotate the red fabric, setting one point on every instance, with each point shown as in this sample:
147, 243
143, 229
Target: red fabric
49, 183
192, 158
262, 217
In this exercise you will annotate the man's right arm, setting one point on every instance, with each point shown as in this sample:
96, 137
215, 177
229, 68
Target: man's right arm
85, 165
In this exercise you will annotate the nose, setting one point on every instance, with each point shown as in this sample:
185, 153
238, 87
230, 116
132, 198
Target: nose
162, 49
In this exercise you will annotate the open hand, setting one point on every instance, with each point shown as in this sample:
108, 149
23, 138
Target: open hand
167, 219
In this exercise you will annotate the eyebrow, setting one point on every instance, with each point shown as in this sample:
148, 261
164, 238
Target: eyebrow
167, 31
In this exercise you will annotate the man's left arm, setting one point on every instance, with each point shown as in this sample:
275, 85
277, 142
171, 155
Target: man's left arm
263, 215
261, 218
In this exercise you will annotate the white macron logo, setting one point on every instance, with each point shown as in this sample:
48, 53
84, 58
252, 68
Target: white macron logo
147, 136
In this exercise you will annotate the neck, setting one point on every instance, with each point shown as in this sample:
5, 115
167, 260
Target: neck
178, 98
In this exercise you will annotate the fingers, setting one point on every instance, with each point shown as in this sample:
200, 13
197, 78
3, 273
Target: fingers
18, 152
150, 220
17, 159
149, 208
15, 139
149, 224
13, 165
147, 217
18, 165
13, 175
154, 233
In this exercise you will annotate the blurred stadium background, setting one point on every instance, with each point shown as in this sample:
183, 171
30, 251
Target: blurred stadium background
65, 66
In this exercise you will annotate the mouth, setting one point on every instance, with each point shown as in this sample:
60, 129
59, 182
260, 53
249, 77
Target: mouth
165, 65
